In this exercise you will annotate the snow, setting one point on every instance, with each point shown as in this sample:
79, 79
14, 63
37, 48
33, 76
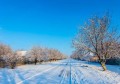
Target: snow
67, 71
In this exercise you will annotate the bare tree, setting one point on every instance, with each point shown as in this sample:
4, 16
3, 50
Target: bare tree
8, 55
97, 37
78, 54
39, 54
51, 54
35, 54
4, 49
12, 59
45, 54
55, 54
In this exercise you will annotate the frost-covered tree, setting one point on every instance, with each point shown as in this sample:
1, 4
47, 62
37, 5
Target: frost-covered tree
35, 54
12, 59
7, 55
40, 54
55, 54
97, 37
4, 50
78, 54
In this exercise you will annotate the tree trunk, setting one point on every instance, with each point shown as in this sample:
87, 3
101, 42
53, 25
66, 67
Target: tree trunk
13, 65
103, 66
35, 61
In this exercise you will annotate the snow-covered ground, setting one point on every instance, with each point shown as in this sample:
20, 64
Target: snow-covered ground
61, 72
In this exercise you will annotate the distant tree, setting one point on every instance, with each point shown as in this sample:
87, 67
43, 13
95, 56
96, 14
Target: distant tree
45, 54
78, 54
39, 54
4, 50
7, 54
97, 37
55, 54
35, 54
12, 60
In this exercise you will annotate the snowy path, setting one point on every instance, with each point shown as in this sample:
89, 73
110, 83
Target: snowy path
61, 72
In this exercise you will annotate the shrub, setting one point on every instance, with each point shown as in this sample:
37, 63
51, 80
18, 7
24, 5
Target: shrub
113, 61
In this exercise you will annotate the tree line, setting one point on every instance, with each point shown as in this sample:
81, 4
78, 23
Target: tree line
98, 37
37, 54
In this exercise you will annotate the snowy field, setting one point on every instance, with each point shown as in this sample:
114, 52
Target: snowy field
61, 72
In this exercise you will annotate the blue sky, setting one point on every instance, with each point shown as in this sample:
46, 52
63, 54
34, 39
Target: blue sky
49, 23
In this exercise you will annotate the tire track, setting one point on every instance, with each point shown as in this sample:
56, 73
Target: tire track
75, 76
65, 74
52, 68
